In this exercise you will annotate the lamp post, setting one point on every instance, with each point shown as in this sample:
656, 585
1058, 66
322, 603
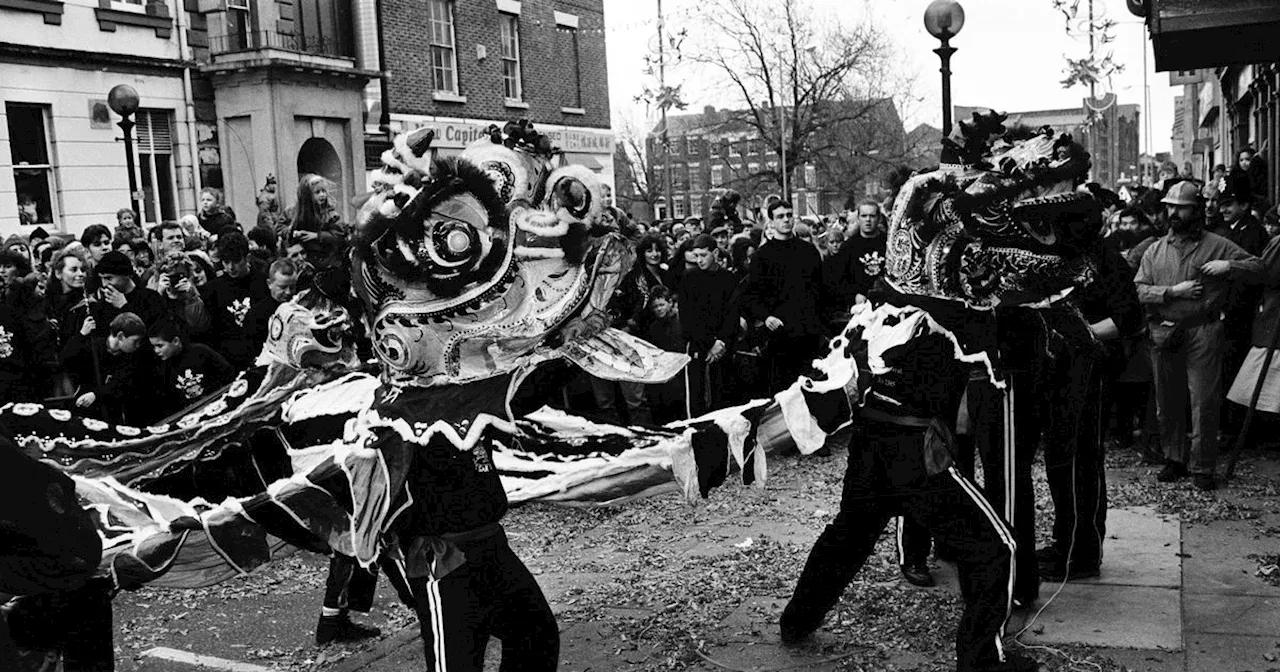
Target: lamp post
944, 19
123, 99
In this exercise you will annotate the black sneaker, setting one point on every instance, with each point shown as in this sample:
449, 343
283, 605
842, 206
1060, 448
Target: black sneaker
1173, 471
1205, 482
1050, 554
794, 630
917, 574
1062, 571
340, 628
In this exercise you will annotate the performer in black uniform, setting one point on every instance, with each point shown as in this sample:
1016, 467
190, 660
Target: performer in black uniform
904, 466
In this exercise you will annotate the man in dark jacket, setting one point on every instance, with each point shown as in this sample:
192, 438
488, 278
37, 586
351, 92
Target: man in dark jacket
232, 293
188, 371
708, 318
783, 286
121, 292
113, 382
283, 280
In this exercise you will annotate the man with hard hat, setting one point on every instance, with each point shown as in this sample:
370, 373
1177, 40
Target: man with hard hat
1183, 283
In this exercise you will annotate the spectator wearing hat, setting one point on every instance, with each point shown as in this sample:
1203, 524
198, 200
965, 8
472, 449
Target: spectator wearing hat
111, 372
28, 345
122, 293
1183, 282
721, 234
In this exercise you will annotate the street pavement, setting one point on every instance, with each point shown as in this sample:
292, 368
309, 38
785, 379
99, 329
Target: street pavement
1173, 596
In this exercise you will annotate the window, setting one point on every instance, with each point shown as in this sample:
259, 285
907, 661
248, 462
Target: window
810, 175
695, 205
155, 165
444, 57
695, 177
717, 176
713, 148
682, 177
678, 209
734, 149
32, 162
569, 47
510, 28
694, 144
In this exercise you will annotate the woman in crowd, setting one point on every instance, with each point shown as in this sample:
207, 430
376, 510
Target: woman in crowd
66, 304
213, 213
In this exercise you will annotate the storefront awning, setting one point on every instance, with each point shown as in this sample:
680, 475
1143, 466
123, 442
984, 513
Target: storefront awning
588, 160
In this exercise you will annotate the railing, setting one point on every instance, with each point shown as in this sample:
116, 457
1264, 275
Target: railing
270, 39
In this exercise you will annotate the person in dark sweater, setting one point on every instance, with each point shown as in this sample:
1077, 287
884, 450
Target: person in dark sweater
708, 319
783, 286
282, 281
214, 215
28, 342
188, 371
231, 295
109, 371
121, 292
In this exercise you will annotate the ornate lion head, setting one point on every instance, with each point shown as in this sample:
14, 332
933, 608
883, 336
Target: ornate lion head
470, 265
1009, 228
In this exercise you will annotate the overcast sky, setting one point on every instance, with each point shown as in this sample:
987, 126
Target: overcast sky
1010, 55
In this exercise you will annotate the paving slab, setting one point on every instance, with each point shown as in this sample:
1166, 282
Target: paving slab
1217, 561
747, 639
1133, 617
1142, 660
1141, 549
600, 647
1232, 614
1231, 653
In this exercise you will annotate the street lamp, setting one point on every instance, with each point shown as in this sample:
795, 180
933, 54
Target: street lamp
123, 99
944, 19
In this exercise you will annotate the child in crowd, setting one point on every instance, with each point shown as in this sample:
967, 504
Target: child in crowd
188, 371
662, 328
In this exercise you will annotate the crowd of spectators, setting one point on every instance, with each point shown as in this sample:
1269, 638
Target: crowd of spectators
132, 324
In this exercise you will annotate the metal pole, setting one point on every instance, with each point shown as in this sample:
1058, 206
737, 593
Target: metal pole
126, 125
666, 138
944, 52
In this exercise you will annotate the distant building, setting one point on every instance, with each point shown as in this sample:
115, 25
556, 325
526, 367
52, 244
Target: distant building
718, 150
1108, 130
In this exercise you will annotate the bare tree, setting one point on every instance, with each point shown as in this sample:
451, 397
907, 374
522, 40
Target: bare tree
636, 172
817, 91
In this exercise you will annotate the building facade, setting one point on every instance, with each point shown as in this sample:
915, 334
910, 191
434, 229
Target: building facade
60, 152
458, 67
235, 90
716, 150
1108, 130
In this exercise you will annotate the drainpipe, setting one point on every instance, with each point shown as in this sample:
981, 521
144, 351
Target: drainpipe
184, 53
384, 119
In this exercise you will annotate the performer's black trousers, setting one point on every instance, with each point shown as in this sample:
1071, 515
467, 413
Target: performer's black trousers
491, 594
1010, 473
349, 586
886, 477
1075, 460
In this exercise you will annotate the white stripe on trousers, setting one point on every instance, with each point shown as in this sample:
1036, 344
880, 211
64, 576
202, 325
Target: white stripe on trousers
1006, 535
437, 624
1010, 488
902, 549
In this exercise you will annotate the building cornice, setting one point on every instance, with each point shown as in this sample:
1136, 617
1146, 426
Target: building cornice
51, 9
88, 60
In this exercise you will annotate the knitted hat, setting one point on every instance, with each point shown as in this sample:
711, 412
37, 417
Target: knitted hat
114, 263
15, 239
39, 233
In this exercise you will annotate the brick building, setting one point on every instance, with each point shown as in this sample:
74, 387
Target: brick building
234, 90
460, 66
717, 150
